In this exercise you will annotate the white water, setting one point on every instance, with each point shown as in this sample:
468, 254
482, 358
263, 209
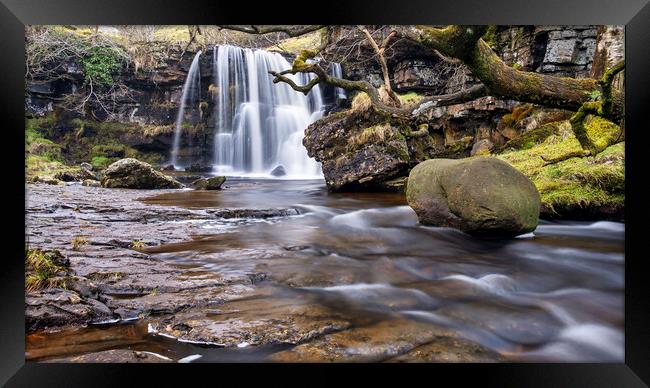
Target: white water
337, 72
259, 124
190, 94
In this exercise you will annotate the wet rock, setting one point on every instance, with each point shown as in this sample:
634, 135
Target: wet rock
131, 173
482, 196
108, 277
212, 183
449, 349
169, 167
358, 150
86, 166
198, 167
76, 175
115, 356
58, 307
254, 213
91, 183
279, 171
253, 320
371, 343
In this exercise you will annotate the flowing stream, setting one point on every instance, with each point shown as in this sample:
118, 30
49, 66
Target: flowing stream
552, 295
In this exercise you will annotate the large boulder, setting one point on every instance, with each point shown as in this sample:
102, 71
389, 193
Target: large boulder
131, 173
482, 196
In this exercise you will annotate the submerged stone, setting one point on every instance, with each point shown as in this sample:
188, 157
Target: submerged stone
212, 183
255, 213
131, 173
279, 171
481, 196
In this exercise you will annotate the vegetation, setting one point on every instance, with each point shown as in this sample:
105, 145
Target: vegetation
137, 244
100, 65
78, 242
296, 45
45, 269
577, 182
55, 145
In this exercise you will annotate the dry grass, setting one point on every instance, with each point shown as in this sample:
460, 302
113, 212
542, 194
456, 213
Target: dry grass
45, 269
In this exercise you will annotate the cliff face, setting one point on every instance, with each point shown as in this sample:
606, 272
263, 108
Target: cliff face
142, 117
476, 127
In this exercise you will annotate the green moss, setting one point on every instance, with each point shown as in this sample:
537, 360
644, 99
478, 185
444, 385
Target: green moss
112, 150
43, 167
490, 36
589, 182
410, 98
101, 162
295, 45
531, 138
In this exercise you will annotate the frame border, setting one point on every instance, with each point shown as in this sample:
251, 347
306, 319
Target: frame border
635, 14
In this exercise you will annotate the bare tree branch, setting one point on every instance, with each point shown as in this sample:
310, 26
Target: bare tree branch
291, 31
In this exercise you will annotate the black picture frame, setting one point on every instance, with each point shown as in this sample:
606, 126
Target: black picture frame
15, 14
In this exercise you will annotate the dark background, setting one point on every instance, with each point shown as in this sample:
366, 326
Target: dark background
14, 14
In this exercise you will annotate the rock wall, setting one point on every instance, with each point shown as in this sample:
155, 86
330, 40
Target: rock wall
475, 127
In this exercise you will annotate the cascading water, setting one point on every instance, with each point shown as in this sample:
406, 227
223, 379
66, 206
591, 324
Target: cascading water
258, 124
190, 94
337, 72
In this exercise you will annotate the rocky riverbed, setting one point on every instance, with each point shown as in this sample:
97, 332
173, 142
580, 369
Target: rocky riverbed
283, 271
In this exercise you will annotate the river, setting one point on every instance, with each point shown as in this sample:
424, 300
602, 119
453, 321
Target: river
553, 295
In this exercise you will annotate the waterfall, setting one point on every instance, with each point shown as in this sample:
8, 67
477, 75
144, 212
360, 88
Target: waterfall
190, 93
337, 71
258, 124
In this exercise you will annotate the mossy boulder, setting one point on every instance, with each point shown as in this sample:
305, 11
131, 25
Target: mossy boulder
482, 196
213, 183
131, 173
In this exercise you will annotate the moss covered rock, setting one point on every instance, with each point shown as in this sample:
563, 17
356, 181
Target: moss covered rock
75, 175
582, 188
131, 173
481, 196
